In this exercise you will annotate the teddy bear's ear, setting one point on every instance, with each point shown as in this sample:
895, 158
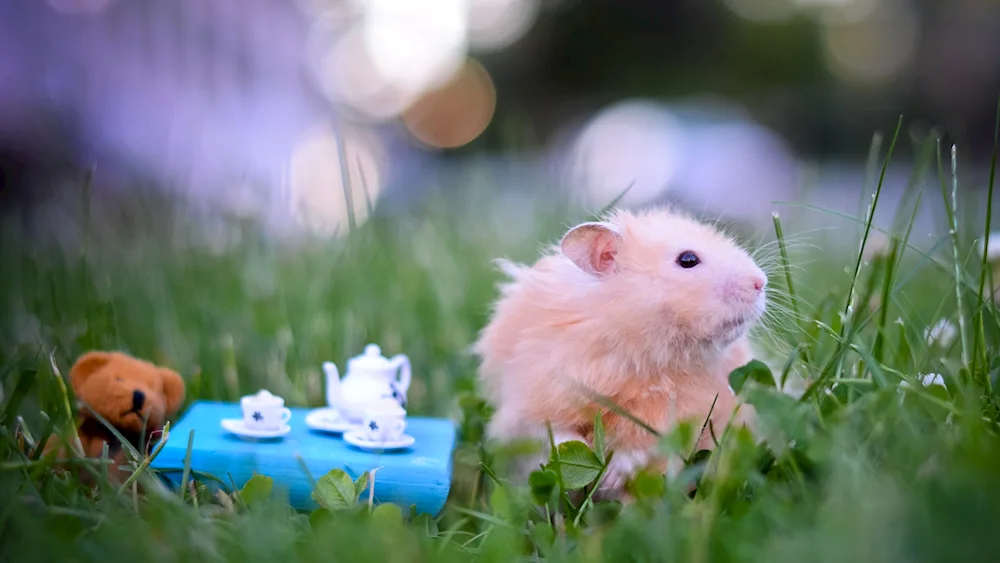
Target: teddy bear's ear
173, 389
86, 365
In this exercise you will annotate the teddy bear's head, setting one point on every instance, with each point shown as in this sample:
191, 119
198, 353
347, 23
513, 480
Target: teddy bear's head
126, 390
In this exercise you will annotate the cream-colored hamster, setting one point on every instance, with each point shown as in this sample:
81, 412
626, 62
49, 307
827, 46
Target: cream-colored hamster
651, 309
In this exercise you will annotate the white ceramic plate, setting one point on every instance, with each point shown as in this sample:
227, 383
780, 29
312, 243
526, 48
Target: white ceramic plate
328, 420
357, 438
236, 426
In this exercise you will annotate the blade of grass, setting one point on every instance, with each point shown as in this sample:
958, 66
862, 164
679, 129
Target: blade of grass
874, 148
305, 469
24, 384
963, 338
345, 179
897, 250
607, 402
134, 456
601, 214
364, 187
884, 297
495, 520
870, 217
835, 365
554, 456
105, 457
21, 429
44, 438
70, 428
984, 264
899, 285
785, 265
850, 311
49, 462
789, 362
152, 456
187, 465
589, 501
945, 268
704, 426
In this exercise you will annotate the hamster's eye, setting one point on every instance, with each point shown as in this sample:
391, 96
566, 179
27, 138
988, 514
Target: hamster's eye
688, 259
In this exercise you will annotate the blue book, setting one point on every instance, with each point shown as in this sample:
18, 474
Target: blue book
419, 475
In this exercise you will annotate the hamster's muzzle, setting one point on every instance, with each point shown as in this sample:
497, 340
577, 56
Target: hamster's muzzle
745, 289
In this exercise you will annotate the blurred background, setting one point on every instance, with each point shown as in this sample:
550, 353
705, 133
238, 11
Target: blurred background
300, 112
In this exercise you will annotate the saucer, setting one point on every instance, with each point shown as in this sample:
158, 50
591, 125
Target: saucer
328, 420
236, 426
357, 438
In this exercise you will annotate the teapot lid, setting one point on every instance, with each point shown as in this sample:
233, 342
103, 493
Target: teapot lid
372, 359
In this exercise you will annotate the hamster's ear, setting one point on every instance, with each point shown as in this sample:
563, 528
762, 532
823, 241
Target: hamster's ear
85, 366
593, 247
173, 389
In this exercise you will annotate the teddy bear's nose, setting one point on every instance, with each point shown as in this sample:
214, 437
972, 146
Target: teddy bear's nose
138, 398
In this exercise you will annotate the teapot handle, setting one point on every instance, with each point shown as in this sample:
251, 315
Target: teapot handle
404, 374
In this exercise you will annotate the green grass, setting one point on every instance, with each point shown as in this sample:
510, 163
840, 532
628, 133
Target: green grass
857, 469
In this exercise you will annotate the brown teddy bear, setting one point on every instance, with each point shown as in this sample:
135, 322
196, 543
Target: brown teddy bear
124, 391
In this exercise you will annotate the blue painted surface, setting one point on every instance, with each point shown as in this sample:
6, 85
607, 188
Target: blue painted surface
419, 475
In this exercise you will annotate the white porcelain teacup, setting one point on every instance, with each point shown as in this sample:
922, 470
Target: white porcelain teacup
385, 421
264, 411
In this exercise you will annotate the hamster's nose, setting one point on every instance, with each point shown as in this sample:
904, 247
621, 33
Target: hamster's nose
759, 282
138, 399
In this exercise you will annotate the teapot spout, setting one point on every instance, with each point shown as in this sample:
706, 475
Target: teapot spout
332, 383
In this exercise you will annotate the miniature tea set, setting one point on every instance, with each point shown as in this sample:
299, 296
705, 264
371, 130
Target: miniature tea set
366, 406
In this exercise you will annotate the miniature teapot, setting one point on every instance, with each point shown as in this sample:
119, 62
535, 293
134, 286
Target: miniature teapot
369, 377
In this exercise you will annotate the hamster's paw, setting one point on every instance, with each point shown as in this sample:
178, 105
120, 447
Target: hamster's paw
623, 465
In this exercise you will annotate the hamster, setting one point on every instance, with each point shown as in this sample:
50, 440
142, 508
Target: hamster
651, 309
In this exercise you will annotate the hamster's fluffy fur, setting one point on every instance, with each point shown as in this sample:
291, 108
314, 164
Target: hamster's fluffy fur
610, 310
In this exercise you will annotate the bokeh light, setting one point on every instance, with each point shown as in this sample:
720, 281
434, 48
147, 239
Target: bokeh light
318, 193
415, 45
632, 142
873, 48
736, 167
711, 156
864, 41
496, 24
377, 58
348, 76
457, 112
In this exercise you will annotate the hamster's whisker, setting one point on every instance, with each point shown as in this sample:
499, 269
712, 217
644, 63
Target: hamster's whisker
793, 330
768, 334
775, 258
788, 243
785, 313
782, 323
778, 305
782, 302
776, 261
775, 298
